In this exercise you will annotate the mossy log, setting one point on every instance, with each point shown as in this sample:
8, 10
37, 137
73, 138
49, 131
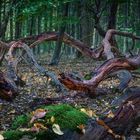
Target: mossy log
119, 127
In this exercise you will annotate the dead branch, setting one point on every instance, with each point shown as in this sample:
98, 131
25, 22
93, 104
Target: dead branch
12, 64
106, 41
105, 69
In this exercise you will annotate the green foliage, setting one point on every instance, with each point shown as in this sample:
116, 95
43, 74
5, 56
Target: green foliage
21, 120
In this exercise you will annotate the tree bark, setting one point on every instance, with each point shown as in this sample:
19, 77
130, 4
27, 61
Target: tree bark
8, 91
57, 51
102, 72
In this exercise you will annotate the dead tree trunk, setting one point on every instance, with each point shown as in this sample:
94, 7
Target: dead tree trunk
119, 127
8, 89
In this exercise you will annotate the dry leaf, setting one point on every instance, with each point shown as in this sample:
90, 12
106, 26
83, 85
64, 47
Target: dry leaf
24, 129
110, 114
37, 127
52, 119
12, 111
83, 110
56, 129
1, 137
82, 128
90, 113
37, 114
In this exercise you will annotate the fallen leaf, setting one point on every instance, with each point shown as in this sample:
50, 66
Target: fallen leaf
37, 114
89, 112
82, 128
12, 111
24, 129
56, 129
1, 137
83, 110
37, 127
110, 114
52, 119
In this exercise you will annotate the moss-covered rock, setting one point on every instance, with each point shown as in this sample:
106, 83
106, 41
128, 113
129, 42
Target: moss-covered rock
66, 116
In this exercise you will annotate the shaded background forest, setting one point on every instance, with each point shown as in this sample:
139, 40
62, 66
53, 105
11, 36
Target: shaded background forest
86, 20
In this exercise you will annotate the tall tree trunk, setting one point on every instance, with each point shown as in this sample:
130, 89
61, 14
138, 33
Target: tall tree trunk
4, 21
112, 19
57, 51
126, 10
112, 15
11, 26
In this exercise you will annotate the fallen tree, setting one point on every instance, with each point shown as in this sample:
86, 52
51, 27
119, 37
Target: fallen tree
89, 86
100, 74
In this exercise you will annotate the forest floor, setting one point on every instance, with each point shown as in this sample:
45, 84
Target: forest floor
38, 87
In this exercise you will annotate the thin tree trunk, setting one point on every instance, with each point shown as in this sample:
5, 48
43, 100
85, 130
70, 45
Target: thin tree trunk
57, 51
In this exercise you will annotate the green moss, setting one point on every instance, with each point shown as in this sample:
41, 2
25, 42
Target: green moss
13, 135
21, 120
17, 135
88, 76
66, 116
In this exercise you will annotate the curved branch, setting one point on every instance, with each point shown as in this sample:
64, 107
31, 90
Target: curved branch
105, 69
106, 41
67, 39
12, 63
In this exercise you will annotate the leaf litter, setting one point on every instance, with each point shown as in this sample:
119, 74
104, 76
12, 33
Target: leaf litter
41, 87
